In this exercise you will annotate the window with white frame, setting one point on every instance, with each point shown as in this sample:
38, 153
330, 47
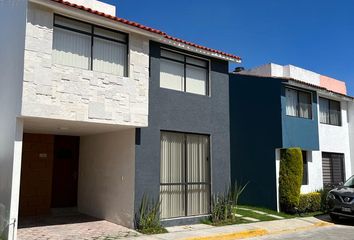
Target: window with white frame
185, 175
330, 112
82, 45
183, 73
298, 103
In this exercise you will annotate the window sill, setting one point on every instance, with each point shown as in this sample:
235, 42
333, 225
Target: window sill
298, 117
333, 125
58, 65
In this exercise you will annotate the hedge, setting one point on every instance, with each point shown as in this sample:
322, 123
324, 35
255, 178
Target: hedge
310, 202
290, 179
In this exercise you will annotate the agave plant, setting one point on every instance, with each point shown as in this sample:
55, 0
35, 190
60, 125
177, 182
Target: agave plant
223, 204
148, 217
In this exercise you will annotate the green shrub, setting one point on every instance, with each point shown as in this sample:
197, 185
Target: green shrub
148, 217
323, 192
290, 179
223, 205
310, 202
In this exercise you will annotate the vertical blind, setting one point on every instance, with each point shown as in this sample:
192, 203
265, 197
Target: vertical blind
89, 47
183, 73
298, 103
71, 48
171, 75
185, 174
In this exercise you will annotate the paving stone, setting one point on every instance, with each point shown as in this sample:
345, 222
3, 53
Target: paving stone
274, 216
78, 227
259, 212
251, 219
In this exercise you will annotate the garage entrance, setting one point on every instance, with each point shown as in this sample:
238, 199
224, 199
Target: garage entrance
49, 173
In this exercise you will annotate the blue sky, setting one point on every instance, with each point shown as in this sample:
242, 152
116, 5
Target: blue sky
314, 34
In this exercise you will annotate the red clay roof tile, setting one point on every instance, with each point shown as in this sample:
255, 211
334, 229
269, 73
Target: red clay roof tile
138, 25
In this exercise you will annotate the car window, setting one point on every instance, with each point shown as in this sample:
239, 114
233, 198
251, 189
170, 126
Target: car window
350, 182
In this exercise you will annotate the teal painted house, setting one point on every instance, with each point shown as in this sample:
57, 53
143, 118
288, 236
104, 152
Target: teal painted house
269, 112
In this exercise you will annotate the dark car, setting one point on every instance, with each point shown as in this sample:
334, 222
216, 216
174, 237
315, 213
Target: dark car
341, 200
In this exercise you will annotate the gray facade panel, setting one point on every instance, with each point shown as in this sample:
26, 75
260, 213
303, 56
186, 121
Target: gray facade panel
183, 112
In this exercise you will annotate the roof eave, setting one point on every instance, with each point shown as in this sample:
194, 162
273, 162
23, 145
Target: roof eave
159, 37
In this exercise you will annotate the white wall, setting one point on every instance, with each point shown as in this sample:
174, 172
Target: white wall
351, 133
301, 74
61, 92
314, 165
287, 71
12, 40
336, 138
106, 176
96, 5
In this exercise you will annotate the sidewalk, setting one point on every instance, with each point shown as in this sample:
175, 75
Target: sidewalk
240, 231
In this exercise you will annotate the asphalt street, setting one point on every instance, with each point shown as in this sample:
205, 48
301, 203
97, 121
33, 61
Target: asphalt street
344, 230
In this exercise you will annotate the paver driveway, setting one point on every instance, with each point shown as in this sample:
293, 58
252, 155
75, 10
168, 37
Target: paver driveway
75, 227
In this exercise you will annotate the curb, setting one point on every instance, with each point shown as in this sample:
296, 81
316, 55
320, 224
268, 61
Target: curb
258, 232
234, 235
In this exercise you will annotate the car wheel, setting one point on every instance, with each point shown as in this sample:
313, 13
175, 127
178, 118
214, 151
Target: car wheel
334, 217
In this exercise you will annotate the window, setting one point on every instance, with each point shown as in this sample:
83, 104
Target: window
330, 112
332, 168
86, 46
305, 176
185, 175
298, 103
183, 73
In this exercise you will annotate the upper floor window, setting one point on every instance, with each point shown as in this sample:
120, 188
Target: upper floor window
330, 112
298, 103
183, 73
86, 46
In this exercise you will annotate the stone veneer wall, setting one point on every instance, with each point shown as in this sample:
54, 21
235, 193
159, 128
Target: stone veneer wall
67, 93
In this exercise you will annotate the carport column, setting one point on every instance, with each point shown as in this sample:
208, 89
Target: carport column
16, 180
277, 169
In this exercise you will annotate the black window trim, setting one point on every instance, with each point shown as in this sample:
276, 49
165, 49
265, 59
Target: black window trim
185, 63
330, 156
329, 110
305, 181
185, 182
298, 90
93, 35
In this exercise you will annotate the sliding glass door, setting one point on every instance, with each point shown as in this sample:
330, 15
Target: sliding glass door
185, 174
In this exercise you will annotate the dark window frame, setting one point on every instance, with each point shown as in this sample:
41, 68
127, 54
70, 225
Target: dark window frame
185, 183
185, 63
330, 155
298, 91
329, 110
305, 174
93, 35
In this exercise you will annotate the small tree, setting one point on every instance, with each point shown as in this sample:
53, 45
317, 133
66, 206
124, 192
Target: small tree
290, 179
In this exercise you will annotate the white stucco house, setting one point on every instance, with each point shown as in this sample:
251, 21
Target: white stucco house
330, 157
74, 86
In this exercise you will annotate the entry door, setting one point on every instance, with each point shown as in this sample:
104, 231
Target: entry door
36, 174
65, 171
